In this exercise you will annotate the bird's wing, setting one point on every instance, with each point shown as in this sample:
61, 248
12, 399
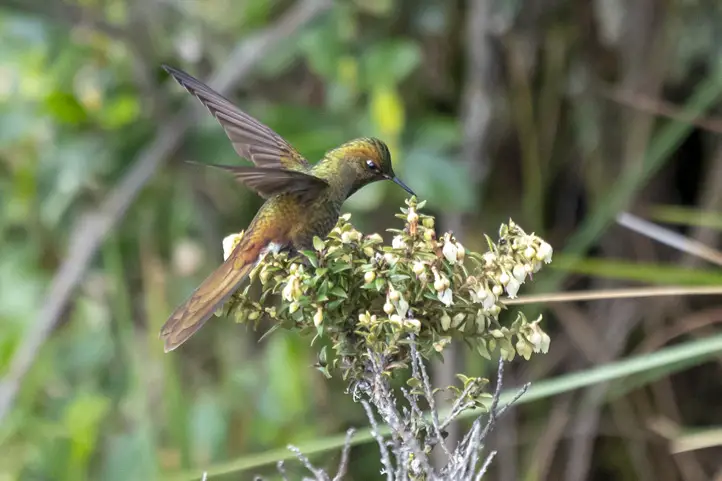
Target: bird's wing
251, 139
269, 182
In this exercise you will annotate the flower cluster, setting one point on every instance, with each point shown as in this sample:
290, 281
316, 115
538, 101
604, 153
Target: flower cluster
354, 293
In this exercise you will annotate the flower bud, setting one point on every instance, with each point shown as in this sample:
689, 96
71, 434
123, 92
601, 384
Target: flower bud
535, 338
369, 277
449, 250
545, 342
446, 297
394, 295
230, 242
412, 217
398, 242
418, 268
388, 308
497, 290
544, 253
519, 272
428, 222
402, 307
504, 278
414, 324
445, 321
439, 346
346, 237
318, 317
293, 307
489, 300
529, 252
460, 252
390, 258
287, 292
523, 349
489, 259
512, 288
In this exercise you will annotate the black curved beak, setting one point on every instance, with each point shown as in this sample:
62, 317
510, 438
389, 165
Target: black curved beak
396, 180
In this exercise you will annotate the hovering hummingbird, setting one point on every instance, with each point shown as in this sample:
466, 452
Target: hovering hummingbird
303, 200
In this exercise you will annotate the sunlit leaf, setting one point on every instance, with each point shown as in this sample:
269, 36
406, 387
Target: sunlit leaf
387, 111
82, 420
64, 107
119, 111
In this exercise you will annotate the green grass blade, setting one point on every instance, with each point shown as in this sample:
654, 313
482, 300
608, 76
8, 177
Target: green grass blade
648, 273
682, 215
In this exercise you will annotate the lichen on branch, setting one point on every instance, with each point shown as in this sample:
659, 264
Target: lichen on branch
362, 294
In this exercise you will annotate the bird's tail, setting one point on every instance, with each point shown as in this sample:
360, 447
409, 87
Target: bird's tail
211, 294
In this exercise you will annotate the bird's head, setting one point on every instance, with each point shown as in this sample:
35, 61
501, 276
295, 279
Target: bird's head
369, 160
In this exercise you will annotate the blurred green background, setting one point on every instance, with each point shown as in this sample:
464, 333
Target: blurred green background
557, 113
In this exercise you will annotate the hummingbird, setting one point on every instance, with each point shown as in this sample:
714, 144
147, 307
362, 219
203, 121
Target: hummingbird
302, 200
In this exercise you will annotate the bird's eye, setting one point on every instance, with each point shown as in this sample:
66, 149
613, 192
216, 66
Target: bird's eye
370, 164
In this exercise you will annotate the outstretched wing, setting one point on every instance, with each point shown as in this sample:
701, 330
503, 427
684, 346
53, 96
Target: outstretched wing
269, 182
251, 139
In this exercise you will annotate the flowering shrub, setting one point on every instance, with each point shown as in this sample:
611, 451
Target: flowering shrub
365, 296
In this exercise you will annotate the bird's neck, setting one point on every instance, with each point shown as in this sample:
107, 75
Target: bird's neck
339, 174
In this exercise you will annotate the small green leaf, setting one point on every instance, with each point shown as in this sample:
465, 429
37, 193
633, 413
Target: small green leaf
311, 256
334, 304
338, 292
464, 379
413, 382
324, 371
323, 356
482, 349
323, 289
318, 243
340, 267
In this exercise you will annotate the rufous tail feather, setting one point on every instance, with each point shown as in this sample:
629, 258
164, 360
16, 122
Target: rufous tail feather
211, 294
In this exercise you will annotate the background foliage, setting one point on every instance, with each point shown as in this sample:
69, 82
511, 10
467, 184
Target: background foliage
556, 113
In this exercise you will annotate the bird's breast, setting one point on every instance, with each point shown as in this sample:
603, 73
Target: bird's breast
317, 218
